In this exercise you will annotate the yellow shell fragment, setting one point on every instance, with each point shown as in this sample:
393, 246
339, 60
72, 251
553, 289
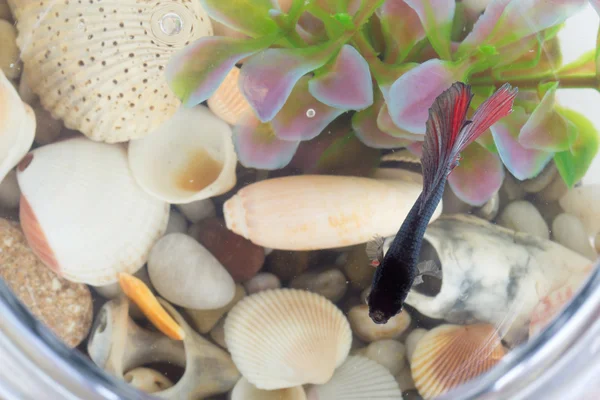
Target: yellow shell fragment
141, 295
228, 102
100, 66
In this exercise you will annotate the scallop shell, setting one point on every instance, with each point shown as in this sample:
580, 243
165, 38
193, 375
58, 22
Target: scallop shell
286, 337
357, 379
450, 355
82, 212
100, 66
244, 390
310, 212
228, 102
17, 127
190, 157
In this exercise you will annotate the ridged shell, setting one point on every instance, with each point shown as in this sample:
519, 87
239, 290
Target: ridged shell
357, 379
228, 102
82, 212
310, 212
244, 390
450, 355
286, 337
99, 65
17, 127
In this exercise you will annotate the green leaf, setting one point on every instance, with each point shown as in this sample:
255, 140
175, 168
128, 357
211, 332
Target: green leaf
598, 54
247, 16
572, 165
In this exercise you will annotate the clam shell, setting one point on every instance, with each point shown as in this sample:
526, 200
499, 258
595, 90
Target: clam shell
83, 214
190, 157
309, 212
450, 355
100, 66
17, 127
358, 378
228, 102
286, 337
244, 390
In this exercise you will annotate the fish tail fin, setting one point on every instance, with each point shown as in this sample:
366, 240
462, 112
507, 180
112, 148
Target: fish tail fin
449, 132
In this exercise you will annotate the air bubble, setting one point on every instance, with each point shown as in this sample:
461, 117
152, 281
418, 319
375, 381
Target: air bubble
310, 113
171, 24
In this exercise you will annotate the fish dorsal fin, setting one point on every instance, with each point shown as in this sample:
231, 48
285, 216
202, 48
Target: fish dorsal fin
375, 250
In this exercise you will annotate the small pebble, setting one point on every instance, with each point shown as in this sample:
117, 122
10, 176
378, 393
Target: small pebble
177, 222
489, 210
217, 333
405, 380
554, 191
358, 268
5, 10
205, 320
388, 352
27, 95
10, 193
9, 52
510, 190
47, 129
240, 257
287, 264
540, 182
262, 281
570, 232
147, 380
369, 331
198, 210
411, 341
522, 216
64, 307
331, 283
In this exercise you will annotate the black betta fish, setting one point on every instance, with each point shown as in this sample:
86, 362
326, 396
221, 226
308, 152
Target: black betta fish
448, 133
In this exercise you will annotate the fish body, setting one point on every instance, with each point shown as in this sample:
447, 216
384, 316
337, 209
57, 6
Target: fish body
448, 133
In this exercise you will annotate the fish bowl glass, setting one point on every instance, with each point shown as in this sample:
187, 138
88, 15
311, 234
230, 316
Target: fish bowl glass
489, 264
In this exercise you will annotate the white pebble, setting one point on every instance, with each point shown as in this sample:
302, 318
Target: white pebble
522, 216
389, 353
262, 281
198, 210
9, 191
177, 223
411, 341
364, 327
570, 232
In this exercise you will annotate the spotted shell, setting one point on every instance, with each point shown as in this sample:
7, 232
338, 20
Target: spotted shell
99, 66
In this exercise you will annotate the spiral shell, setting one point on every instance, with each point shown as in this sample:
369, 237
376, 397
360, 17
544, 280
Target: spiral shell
99, 65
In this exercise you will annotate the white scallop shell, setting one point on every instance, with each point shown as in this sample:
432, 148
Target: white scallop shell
174, 162
82, 212
99, 65
244, 390
358, 378
17, 127
286, 337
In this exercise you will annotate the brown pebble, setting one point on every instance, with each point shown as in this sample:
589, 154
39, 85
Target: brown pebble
240, 257
358, 268
288, 264
64, 307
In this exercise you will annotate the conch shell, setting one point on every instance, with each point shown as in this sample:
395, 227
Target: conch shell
100, 66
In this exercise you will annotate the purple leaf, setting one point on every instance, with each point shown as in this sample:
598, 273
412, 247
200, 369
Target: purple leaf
303, 117
196, 71
411, 96
402, 28
365, 126
249, 17
507, 21
385, 123
546, 129
436, 16
346, 84
478, 175
267, 78
522, 162
257, 146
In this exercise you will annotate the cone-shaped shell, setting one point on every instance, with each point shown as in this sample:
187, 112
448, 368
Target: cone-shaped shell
310, 212
188, 158
357, 379
82, 212
244, 390
17, 127
450, 355
228, 102
100, 66
286, 337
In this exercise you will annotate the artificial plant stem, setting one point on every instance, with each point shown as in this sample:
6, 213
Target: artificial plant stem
364, 13
588, 81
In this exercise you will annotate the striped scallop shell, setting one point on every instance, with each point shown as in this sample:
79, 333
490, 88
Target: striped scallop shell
450, 355
99, 65
228, 102
357, 379
286, 337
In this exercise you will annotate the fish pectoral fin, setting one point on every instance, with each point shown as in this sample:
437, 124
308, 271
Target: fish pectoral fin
418, 280
375, 250
429, 268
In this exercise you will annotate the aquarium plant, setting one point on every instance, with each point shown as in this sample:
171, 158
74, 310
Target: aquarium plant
382, 63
